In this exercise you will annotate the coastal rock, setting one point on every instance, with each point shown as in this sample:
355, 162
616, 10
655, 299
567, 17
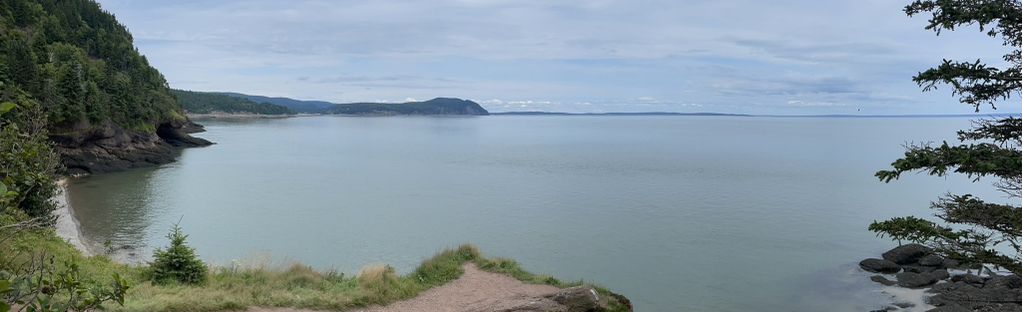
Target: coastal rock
996, 294
906, 254
879, 266
940, 274
85, 148
931, 260
575, 299
882, 280
578, 299
1007, 282
950, 308
919, 268
972, 279
916, 280
950, 264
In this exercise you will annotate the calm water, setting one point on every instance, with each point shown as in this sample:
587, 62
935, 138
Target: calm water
677, 213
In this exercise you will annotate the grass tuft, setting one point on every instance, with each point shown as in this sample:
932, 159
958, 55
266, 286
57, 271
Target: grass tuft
238, 286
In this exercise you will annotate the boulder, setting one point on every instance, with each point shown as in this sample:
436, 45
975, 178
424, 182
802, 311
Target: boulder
950, 264
972, 279
1004, 281
999, 293
575, 299
578, 299
882, 280
941, 274
916, 280
931, 260
919, 268
906, 254
879, 266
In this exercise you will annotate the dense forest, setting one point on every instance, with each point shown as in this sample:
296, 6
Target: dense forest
205, 103
437, 106
80, 64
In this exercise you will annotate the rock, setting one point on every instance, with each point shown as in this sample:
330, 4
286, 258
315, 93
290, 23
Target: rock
906, 254
85, 148
949, 308
904, 305
623, 300
969, 279
950, 264
999, 293
941, 274
931, 260
1004, 281
879, 266
577, 299
882, 280
919, 268
916, 280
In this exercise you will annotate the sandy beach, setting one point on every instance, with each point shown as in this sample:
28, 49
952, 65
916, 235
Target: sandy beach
67, 226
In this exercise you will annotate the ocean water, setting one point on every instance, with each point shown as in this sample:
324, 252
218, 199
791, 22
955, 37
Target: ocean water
676, 213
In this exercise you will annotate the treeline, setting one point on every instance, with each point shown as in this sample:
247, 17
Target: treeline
206, 103
80, 64
437, 106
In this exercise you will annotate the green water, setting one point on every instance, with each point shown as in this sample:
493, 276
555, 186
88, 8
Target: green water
677, 213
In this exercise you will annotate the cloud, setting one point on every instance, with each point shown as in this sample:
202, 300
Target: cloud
742, 56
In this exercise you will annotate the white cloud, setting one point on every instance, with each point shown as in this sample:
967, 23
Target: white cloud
743, 56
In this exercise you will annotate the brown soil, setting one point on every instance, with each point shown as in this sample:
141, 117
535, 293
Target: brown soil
475, 291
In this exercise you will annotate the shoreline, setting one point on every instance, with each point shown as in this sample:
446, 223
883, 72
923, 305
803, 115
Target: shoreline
209, 116
67, 226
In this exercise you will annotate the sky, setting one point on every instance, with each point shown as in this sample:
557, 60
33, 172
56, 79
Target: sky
737, 56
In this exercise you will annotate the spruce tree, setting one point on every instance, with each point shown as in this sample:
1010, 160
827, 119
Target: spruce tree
973, 230
178, 262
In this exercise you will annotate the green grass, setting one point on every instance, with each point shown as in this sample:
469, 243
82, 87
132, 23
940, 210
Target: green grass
298, 286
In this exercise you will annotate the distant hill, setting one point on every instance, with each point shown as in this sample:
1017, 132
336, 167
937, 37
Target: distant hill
206, 102
541, 113
298, 106
437, 106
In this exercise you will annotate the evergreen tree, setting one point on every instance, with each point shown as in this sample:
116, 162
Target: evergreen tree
973, 231
178, 262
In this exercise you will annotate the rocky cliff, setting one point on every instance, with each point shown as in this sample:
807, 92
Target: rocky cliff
89, 149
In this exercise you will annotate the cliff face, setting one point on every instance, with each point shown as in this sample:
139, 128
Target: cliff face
107, 109
91, 149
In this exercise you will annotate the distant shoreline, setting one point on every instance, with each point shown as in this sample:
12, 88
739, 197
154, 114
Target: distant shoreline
708, 114
213, 116
219, 115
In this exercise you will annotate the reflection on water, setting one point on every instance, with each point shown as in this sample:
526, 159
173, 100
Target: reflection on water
677, 213
117, 212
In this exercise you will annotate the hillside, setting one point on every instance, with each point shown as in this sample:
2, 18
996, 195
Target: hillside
298, 106
206, 103
437, 106
106, 107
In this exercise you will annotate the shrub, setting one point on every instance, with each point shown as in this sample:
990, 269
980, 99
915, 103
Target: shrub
178, 262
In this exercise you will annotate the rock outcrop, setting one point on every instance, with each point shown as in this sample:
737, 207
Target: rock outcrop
575, 299
916, 266
89, 149
879, 266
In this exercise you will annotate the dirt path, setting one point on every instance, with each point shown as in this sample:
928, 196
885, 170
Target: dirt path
475, 291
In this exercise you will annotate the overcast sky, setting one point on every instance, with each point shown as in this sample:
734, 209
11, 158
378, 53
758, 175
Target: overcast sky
737, 56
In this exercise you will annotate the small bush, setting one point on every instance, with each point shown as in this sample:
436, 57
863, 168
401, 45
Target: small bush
177, 263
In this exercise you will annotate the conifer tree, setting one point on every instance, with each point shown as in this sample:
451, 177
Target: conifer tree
973, 230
